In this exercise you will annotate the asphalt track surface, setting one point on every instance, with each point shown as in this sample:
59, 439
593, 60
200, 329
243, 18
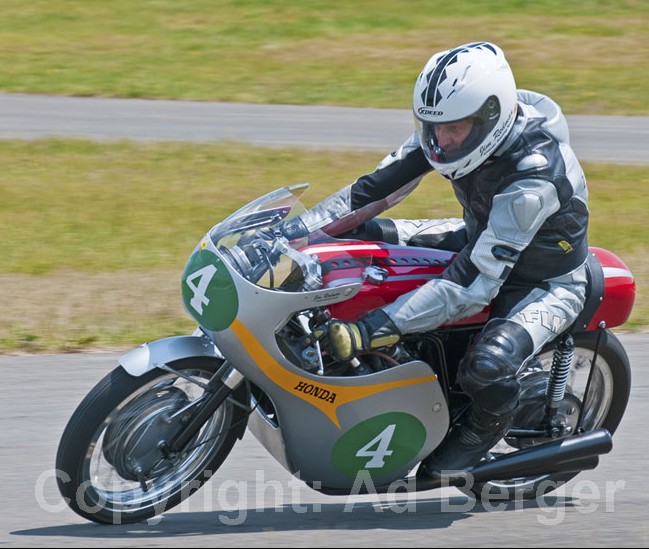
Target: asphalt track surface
254, 502
617, 139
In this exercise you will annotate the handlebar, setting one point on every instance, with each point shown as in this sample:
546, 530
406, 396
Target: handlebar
256, 257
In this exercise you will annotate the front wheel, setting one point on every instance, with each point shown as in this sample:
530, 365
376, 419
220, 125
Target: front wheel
112, 463
604, 407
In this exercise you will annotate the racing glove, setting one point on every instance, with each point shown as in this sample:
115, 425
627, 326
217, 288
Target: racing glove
291, 229
344, 340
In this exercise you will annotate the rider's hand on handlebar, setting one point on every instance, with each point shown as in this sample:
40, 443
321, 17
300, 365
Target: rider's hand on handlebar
345, 340
290, 229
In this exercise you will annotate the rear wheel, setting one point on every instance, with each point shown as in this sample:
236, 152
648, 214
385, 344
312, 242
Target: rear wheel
112, 463
605, 405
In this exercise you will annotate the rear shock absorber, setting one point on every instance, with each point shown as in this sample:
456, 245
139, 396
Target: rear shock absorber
561, 363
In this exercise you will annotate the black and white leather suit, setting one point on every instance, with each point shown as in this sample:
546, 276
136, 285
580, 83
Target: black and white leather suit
522, 247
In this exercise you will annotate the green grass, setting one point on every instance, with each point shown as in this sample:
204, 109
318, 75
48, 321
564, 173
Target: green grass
96, 236
105, 207
86, 206
590, 55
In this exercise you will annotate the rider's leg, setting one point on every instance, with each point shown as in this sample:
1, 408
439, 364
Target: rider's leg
528, 318
487, 374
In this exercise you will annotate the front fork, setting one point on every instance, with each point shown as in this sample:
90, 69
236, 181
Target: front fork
220, 386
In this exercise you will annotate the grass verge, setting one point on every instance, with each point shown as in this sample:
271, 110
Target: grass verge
96, 236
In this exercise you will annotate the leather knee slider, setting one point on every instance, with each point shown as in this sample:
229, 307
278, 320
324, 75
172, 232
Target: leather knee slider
487, 372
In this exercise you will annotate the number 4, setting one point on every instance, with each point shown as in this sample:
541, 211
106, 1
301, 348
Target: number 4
378, 455
205, 276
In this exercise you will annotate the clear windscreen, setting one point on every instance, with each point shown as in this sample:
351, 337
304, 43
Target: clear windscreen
248, 242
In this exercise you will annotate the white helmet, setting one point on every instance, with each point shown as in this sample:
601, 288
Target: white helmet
471, 81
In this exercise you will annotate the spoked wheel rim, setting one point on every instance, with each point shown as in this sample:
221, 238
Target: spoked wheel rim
116, 448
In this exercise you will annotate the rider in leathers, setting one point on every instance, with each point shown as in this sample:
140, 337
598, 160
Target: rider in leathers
522, 240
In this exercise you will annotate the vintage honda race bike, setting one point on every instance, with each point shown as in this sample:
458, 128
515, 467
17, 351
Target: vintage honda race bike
162, 423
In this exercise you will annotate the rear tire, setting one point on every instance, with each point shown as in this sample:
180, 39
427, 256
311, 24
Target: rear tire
120, 422
605, 408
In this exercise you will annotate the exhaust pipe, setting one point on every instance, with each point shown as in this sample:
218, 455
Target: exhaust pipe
559, 456
568, 455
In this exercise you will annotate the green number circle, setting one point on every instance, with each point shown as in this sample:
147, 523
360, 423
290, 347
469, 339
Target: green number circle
379, 445
208, 291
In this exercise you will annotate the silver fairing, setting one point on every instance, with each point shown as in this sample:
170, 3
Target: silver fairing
243, 289
317, 416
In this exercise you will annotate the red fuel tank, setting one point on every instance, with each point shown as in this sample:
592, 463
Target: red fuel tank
386, 271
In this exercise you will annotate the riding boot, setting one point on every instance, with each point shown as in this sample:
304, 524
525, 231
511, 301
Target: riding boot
467, 443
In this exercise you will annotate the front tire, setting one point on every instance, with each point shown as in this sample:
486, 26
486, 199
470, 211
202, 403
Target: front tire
604, 408
123, 423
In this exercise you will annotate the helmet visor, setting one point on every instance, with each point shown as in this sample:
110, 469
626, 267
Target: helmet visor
450, 141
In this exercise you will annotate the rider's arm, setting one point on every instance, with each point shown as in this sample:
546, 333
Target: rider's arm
393, 179
479, 270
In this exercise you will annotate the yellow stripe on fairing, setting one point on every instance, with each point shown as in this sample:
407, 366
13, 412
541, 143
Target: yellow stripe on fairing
292, 382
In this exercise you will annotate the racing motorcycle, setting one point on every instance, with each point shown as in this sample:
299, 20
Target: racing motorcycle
160, 425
